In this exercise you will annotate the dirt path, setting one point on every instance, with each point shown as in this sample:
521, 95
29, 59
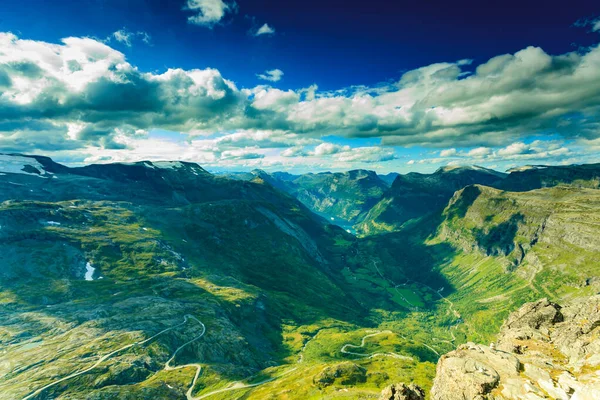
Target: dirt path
106, 357
240, 385
371, 355
198, 367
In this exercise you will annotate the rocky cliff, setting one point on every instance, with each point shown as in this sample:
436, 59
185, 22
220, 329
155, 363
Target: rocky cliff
543, 351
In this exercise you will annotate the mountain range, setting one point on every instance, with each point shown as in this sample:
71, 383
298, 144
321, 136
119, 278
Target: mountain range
161, 280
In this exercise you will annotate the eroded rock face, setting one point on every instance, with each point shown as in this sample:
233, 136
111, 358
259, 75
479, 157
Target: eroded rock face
472, 371
543, 351
401, 391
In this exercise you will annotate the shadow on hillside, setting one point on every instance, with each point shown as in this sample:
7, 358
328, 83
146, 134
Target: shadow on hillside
499, 240
461, 205
407, 255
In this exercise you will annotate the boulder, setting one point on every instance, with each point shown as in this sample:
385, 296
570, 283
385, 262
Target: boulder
401, 391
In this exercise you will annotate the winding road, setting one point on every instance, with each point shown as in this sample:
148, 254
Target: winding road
198, 367
168, 366
371, 355
240, 385
450, 308
109, 355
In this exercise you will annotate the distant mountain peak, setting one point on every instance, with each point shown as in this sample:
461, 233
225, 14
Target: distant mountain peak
21, 164
462, 168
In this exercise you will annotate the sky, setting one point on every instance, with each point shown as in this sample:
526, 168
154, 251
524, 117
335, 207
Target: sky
302, 86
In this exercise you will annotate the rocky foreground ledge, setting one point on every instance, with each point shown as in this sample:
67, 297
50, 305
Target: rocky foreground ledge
543, 351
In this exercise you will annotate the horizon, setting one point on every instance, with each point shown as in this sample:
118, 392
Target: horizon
210, 81
225, 171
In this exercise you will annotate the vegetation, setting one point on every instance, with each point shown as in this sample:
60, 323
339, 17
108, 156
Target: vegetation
293, 307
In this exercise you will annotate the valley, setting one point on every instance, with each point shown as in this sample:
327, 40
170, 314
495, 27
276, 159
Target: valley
150, 280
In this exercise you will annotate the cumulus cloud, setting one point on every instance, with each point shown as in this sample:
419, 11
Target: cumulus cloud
538, 151
329, 148
479, 152
208, 12
241, 154
83, 93
273, 75
372, 154
263, 139
448, 152
515, 148
264, 29
296, 151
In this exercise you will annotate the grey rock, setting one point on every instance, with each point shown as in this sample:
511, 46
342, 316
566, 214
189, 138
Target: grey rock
543, 351
401, 391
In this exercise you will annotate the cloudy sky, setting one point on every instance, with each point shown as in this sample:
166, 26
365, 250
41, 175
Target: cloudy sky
302, 86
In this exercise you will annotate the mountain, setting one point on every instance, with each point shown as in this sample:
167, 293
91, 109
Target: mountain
160, 280
416, 195
343, 197
490, 250
96, 257
539, 176
388, 178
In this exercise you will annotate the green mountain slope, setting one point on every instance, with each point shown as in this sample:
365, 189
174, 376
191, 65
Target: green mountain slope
415, 195
540, 176
99, 258
343, 197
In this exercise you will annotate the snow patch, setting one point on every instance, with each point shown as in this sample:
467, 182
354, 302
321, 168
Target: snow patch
168, 164
89, 272
16, 164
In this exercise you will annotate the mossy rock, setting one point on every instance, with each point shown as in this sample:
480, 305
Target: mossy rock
346, 373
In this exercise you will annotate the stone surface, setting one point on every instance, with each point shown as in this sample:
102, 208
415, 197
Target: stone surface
401, 391
543, 351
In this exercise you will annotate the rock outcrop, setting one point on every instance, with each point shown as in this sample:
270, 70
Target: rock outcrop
543, 351
401, 391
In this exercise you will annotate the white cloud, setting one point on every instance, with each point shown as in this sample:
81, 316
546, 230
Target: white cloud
82, 94
293, 152
513, 149
265, 29
372, 154
126, 37
208, 12
241, 154
273, 75
448, 153
479, 152
123, 36
329, 148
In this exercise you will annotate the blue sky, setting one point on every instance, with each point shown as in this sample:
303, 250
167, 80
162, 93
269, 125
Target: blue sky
299, 86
